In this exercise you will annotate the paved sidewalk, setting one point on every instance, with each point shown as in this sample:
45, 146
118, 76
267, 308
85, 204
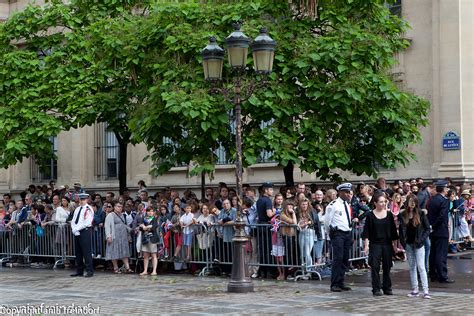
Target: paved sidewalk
186, 295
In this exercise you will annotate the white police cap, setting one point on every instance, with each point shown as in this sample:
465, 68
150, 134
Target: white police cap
83, 196
344, 187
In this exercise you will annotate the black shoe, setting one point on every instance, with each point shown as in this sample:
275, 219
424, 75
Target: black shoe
345, 288
388, 292
446, 281
377, 293
77, 275
89, 275
336, 289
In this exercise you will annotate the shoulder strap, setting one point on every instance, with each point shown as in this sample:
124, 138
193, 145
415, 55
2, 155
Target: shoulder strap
121, 218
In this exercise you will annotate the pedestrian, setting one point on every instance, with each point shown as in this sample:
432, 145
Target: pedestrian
187, 221
117, 235
414, 229
150, 239
309, 228
288, 231
339, 225
438, 208
81, 224
380, 236
265, 212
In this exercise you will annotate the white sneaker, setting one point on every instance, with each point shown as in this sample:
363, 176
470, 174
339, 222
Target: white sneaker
427, 296
413, 294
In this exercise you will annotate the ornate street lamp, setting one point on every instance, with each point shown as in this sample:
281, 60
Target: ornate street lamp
263, 48
237, 47
263, 53
212, 60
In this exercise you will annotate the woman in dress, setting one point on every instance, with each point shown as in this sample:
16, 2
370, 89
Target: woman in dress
117, 232
381, 232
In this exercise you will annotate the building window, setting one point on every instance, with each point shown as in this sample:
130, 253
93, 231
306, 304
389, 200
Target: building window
107, 153
47, 171
223, 157
266, 156
396, 8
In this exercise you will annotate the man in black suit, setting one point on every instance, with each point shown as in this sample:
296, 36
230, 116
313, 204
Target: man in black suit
438, 207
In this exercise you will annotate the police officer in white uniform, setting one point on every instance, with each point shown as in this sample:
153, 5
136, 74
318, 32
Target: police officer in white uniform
81, 226
339, 225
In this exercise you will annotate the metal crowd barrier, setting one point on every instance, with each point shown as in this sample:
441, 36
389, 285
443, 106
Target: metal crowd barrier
296, 250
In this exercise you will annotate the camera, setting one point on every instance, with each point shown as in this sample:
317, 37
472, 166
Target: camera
146, 238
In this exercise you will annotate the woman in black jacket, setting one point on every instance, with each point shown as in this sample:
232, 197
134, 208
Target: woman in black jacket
381, 231
414, 229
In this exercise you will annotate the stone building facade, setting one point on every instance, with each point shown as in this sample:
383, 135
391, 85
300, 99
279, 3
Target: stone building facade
438, 66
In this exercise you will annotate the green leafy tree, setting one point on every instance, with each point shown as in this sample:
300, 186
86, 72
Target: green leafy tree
65, 66
331, 102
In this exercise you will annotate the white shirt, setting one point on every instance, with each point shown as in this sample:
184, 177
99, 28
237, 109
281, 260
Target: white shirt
336, 215
187, 219
61, 215
128, 218
84, 219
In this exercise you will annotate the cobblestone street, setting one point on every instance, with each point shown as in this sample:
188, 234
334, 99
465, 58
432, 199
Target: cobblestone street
185, 294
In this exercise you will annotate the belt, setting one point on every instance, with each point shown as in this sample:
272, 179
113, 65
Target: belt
342, 231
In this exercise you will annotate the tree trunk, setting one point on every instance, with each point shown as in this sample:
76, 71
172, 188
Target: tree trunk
288, 172
122, 169
203, 185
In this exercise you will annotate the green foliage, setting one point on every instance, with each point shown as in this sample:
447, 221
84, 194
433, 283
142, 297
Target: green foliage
331, 100
65, 66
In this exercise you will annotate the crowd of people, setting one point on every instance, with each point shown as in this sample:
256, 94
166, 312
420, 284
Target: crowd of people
298, 225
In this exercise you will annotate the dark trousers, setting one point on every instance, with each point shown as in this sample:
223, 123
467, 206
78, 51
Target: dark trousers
439, 258
341, 243
264, 239
82, 244
380, 254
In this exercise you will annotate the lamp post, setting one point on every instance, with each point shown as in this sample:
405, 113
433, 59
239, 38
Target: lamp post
263, 48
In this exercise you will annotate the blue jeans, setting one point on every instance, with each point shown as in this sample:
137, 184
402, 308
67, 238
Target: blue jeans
427, 247
416, 260
318, 249
306, 241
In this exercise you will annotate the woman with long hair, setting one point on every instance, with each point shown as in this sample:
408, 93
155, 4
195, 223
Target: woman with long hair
288, 231
414, 229
381, 232
308, 222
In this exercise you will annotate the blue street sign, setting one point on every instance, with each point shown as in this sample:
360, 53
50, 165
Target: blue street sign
451, 141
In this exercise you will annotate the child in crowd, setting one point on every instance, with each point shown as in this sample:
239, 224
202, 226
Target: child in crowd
186, 221
176, 229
